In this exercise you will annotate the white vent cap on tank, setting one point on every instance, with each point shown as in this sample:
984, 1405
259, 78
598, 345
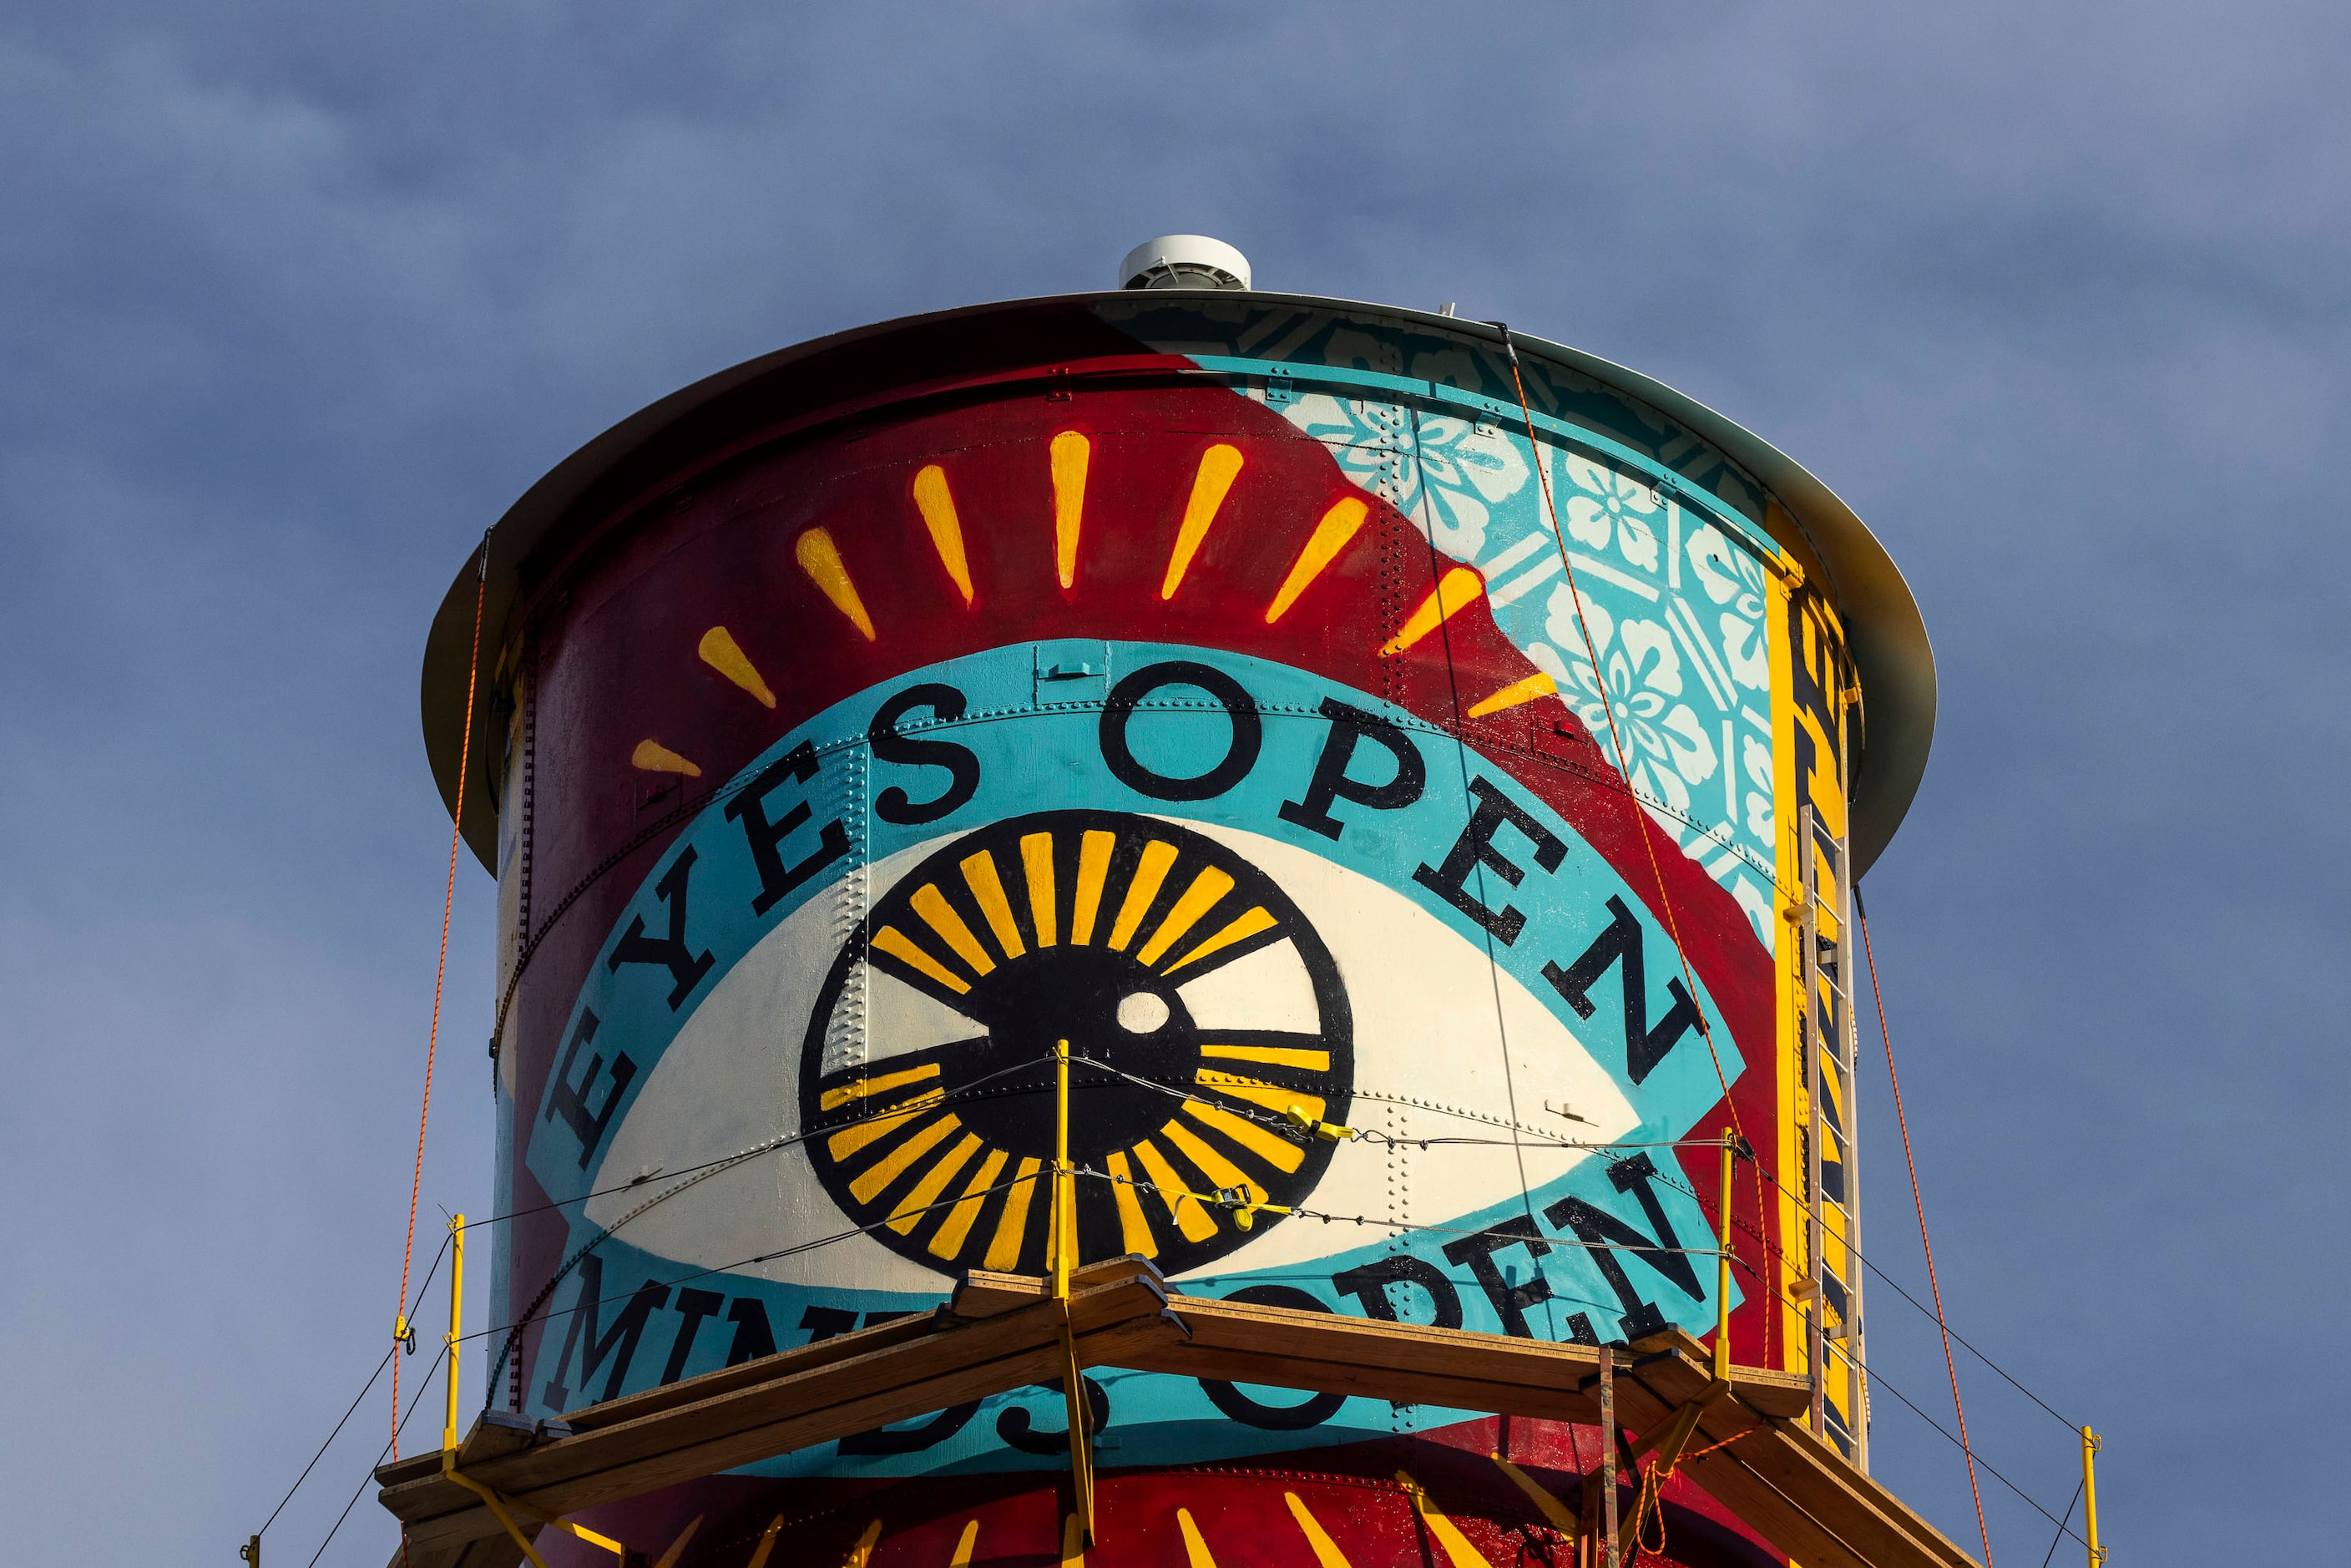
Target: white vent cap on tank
1184, 261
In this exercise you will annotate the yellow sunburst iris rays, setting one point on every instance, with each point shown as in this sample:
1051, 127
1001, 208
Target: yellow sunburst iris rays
915, 1168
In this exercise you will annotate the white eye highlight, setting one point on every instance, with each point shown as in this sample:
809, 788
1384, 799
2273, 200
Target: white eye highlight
1142, 1013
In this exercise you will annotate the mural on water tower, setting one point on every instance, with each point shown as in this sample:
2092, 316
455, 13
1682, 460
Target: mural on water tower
1236, 715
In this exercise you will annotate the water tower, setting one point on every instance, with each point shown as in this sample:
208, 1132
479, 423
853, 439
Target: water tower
1417, 773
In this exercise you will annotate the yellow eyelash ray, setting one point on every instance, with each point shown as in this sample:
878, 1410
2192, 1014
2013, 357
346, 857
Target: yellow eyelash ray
1535, 685
1037, 862
940, 917
1133, 1225
849, 1140
1330, 536
1222, 1173
926, 1192
949, 1240
1196, 1549
1004, 1247
936, 502
1454, 591
1273, 1096
655, 758
1199, 898
1278, 1152
835, 1098
1241, 930
1326, 1551
820, 558
1271, 1055
1552, 1509
902, 947
1219, 464
1093, 869
1070, 451
964, 1545
723, 654
1158, 856
892, 1165
1193, 1220
979, 875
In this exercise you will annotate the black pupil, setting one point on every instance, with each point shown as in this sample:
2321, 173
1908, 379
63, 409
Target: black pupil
1072, 994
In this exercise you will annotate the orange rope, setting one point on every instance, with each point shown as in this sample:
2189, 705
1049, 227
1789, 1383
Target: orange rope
1950, 1365
1640, 816
439, 974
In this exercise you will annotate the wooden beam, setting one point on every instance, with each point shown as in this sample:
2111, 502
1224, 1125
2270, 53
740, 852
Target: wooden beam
1000, 1332
795, 1400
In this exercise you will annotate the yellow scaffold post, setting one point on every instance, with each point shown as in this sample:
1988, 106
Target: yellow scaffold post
497, 1505
1064, 1249
2090, 1446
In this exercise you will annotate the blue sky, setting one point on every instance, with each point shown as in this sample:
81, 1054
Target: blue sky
294, 301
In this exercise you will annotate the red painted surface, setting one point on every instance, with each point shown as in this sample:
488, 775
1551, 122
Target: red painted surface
616, 636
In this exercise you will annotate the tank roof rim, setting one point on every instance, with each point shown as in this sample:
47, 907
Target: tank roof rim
1884, 628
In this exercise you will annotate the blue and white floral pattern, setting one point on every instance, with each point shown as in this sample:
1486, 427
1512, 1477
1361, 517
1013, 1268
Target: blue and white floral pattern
1671, 610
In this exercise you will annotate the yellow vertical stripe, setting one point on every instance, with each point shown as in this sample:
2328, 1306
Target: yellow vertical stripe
1073, 1538
933, 499
863, 1552
1134, 1228
902, 947
1003, 1248
892, 1165
1241, 930
979, 875
1222, 1173
1037, 862
1190, 1217
970, 1538
1093, 869
932, 906
723, 654
1218, 464
1268, 1146
1330, 536
1454, 592
1196, 901
1326, 1551
1158, 856
1070, 451
948, 1239
926, 1192
820, 558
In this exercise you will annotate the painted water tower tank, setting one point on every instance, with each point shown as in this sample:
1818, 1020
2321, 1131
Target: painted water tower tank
1312, 712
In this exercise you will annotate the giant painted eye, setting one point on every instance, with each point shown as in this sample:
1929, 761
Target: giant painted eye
1202, 1002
